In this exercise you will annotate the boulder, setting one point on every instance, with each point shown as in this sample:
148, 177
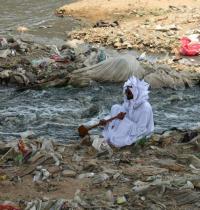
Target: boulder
69, 173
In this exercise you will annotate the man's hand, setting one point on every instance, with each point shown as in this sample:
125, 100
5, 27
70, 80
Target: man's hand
103, 122
121, 115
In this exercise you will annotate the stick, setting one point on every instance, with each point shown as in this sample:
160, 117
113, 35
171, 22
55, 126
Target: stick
6, 154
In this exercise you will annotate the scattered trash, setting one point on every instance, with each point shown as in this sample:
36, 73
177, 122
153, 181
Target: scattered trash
101, 146
121, 200
8, 207
112, 176
190, 46
41, 174
86, 175
101, 56
102, 23
99, 178
142, 57
45, 62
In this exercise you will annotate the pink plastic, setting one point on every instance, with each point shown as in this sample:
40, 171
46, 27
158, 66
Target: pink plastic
189, 48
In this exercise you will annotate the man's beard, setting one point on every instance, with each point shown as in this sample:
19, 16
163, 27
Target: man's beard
129, 97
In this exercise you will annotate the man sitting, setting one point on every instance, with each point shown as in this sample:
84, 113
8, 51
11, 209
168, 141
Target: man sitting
135, 116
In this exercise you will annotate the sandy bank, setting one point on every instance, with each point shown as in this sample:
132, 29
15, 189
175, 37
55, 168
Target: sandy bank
153, 26
94, 10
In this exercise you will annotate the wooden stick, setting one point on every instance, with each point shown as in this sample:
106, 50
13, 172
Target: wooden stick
1, 159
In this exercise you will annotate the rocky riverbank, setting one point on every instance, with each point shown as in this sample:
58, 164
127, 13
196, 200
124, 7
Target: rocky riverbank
147, 26
26, 64
151, 26
162, 173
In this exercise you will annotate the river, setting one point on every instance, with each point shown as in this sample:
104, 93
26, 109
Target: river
56, 113
38, 16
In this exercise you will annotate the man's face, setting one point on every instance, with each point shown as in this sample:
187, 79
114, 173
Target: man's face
129, 94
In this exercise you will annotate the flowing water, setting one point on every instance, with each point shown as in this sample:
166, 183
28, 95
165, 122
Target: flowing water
56, 113
38, 16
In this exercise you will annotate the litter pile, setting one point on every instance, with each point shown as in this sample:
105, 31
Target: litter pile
34, 66
27, 64
162, 173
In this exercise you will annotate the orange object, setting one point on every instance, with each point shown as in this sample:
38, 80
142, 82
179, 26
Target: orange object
22, 147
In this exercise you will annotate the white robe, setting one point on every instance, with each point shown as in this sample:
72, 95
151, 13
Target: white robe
137, 123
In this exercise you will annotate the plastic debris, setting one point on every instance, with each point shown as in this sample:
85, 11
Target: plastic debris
121, 200
8, 207
190, 47
42, 62
99, 178
41, 174
101, 145
86, 175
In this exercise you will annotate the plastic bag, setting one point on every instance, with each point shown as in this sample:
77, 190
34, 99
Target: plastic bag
189, 48
8, 207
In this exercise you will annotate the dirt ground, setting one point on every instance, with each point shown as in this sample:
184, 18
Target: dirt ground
103, 9
161, 173
152, 26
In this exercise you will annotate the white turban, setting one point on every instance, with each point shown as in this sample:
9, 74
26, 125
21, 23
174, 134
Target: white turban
139, 89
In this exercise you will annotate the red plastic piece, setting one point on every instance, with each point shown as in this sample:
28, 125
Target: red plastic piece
8, 207
189, 48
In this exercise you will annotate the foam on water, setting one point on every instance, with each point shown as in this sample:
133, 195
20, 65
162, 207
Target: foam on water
56, 113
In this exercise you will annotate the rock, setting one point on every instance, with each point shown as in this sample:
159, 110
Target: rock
102, 23
118, 45
166, 28
75, 43
5, 74
144, 170
109, 196
54, 169
5, 53
86, 175
20, 78
99, 178
22, 29
170, 164
69, 173
164, 77
31, 77
91, 165
3, 43
189, 159
76, 158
